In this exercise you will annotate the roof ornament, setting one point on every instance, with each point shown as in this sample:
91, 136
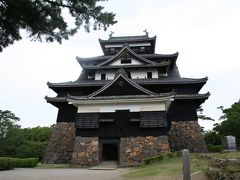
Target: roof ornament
146, 32
111, 33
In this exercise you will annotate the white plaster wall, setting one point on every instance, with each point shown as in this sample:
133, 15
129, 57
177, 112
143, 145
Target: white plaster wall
109, 74
112, 107
135, 73
142, 73
118, 63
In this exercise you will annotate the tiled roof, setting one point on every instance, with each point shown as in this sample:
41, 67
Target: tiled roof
170, 94
160, 55
165, 63
162, 80
170, 80
192, 96
128, 38
56, 99
126, 48
102, 58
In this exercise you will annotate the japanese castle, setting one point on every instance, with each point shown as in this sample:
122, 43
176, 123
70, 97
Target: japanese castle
127, 105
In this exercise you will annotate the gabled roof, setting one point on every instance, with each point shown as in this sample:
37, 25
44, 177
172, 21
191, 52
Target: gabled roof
126, 49
92, 67
121, 80
155, 58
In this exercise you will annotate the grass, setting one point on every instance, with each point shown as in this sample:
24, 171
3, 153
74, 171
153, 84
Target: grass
167, 167
173, 166
226, 155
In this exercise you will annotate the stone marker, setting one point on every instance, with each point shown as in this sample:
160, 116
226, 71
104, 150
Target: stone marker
186, 165
229, 143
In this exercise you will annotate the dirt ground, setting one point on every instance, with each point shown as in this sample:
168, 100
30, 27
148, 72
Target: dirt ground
78, 174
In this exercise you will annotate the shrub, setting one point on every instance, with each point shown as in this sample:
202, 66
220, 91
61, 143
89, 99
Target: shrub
171, 155
147, 161
214, 148
27, 162
178, 153
159, 157
153, 159
7, 163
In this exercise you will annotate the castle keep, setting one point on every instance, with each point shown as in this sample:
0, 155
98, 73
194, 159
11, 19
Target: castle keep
127, 105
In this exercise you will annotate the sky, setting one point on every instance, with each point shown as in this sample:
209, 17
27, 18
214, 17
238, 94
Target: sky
204, 32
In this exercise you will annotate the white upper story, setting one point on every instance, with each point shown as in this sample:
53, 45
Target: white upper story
134, 73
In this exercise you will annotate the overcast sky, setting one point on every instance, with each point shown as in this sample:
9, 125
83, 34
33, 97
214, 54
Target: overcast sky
206, 33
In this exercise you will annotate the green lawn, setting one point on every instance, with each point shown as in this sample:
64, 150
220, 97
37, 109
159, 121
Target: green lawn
226, 155
173, 166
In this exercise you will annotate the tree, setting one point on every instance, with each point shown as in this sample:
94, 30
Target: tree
201, 116
27, 142
7, 122
43, 19
230, 121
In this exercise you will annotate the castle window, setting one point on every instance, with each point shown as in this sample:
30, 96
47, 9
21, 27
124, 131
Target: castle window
126, 61
103, 76
112, 49
149, 75
142, 49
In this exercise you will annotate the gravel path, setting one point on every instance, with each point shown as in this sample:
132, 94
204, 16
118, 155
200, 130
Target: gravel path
61, 174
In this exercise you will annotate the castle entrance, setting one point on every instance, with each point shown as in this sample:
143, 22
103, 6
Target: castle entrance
109, 149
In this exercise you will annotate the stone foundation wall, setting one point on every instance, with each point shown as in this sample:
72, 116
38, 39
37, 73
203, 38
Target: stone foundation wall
85, 151
134, 149
60, 146
186, 135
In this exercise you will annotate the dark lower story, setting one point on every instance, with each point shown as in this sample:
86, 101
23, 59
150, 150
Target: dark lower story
129, 151
65, 146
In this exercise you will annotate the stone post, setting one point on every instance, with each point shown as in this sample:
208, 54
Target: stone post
186, 165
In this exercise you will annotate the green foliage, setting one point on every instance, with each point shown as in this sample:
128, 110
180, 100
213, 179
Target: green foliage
27, 162
23, 143
7, 163
153, 159
214, 148
231, 121
178, 153
160, 157
7, 122
230, 125
212, 137
213, 141
44, 19
171, 155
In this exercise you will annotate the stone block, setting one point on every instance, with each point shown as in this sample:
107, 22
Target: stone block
60, 146
186, 135
134, 149
87, 150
